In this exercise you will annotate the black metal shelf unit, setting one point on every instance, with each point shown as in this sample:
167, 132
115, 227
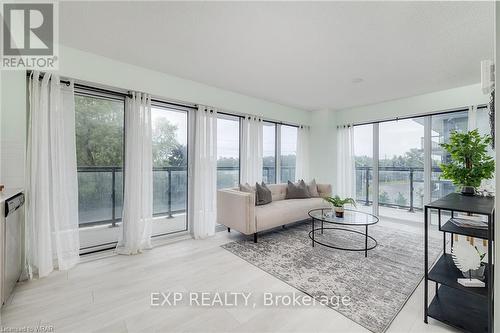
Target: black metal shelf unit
466, 309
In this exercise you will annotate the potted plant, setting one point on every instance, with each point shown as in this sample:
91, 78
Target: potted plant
338, 204
470, 162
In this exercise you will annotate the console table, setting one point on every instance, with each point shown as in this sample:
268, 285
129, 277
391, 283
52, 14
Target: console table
465, 308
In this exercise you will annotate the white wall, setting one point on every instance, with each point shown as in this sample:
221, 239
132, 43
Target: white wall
97, 69
12, 128
103, 71
433, 102
324, 122
323, 146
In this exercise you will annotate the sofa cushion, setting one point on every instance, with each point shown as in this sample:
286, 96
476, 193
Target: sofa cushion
264, 195
286, 211
313, 189
278, 191
324, 190
297, 191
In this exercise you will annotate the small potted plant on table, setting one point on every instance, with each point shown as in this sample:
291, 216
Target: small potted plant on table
338, 204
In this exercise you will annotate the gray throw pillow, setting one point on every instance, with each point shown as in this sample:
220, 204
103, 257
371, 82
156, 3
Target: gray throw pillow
313, 189
264, 195
297, 191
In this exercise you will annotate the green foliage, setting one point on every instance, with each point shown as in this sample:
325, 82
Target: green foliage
470, 162
99, 131
163, 141
401, 200
336, 201
383, 197
100, 135
412, 158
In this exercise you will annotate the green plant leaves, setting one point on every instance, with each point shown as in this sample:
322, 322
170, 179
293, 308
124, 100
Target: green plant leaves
470, 162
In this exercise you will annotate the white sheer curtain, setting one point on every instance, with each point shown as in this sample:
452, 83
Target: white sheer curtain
205, 173
345, 161
472, 118
302, 161
135, 235
52, 235
251, 150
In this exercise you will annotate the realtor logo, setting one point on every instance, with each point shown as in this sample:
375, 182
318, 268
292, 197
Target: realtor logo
30, 32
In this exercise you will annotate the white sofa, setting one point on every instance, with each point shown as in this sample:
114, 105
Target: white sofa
237, 210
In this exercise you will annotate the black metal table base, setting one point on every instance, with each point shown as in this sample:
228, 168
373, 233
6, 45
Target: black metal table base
365, 249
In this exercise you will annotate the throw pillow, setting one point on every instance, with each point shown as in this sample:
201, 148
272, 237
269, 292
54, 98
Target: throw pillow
297, 191
264, 195
246, 188
313, 189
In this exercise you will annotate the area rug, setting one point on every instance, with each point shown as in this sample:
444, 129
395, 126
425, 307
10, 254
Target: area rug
377, 286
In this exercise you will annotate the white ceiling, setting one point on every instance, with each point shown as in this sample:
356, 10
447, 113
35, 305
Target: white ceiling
299, 54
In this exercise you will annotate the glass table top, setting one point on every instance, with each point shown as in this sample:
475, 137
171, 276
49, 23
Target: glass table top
351, 217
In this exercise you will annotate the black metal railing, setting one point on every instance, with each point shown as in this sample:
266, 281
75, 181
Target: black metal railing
100, 193
100, 190
399, 181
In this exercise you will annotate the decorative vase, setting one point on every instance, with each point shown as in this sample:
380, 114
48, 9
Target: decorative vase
339, 211
468, 190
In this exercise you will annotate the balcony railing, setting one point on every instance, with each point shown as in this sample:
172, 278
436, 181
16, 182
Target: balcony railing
100, 191
399, 187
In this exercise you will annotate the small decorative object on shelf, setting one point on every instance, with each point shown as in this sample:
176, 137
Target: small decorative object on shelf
469, 261
469, 223
470, 162
463, 296
338, 204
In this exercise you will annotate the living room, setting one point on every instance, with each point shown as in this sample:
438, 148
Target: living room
248, 166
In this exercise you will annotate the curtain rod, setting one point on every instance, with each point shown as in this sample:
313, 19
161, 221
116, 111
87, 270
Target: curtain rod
462, 109
78, 84
81, 85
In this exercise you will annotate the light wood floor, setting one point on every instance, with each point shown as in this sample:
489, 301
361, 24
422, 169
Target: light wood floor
113, 295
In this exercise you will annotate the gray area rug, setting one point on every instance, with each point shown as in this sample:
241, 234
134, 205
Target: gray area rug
378, 286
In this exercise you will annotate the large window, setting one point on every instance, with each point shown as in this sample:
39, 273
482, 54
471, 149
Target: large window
442, 127
288, 153
269, 153
228, 151
169, 147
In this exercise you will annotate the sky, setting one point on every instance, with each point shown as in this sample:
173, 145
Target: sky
395, 138
228, 134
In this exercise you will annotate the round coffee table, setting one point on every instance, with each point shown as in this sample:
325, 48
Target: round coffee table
352, 218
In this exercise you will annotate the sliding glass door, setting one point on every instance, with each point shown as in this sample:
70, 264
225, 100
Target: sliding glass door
399, 149
99, 120
100, 133
401, 167
170, 162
